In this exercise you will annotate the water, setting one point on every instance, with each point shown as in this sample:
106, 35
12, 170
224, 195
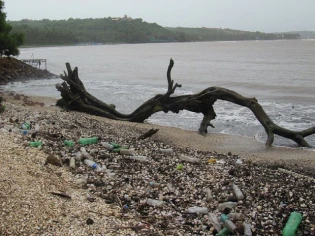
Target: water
280, 74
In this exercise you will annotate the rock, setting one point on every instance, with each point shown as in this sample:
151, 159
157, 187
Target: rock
53, 160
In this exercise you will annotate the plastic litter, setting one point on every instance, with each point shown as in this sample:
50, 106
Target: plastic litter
195, 209
292, 224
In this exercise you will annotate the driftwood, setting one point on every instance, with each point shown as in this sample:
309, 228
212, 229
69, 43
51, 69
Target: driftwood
148, 134
75, 97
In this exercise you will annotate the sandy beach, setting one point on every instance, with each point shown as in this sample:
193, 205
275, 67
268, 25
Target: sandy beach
28, 183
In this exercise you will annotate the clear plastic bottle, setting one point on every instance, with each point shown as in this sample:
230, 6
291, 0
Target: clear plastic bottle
72, 163
247, 230
153, 202
214, 221
127, 151
224, 205
139, 158
190, 159
92, 164
209, 196
107, 145
86, 154
166, 150
292, 224
195, 209
238, 192
78, 156
227, 223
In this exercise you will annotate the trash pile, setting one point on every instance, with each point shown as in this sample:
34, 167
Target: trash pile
171, 190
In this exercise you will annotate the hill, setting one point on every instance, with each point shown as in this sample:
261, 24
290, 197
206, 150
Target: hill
219, 34
125, 30
93, 31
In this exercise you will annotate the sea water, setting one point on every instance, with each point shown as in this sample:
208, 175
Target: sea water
280, 74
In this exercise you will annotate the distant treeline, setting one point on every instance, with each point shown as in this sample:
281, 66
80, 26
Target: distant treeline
124, 30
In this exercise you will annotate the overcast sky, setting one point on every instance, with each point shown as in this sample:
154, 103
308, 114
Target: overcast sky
260, 15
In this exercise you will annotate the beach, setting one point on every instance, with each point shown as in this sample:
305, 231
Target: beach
28, 182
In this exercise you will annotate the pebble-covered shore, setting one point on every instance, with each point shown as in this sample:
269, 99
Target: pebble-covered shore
156, 186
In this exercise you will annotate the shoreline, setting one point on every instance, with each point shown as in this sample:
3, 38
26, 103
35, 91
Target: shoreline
300, 160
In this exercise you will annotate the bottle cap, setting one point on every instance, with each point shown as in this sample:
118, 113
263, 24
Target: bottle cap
94, 166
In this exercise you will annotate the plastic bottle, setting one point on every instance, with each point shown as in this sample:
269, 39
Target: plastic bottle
179, 167
209, 196
115, 145
292, 224
153, 202
78, 156
68, 143
21, 131
107, 145
139, 158
195, 209
227, 223
166, 150
247, 229
224, 205
72, 163
223, 232
86, 141
36, 144
86, 154
214, 221
26, 126
238, 192
127, 151
190, 159
92, 164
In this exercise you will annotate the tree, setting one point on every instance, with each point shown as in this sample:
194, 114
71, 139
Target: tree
75, 97
9, 42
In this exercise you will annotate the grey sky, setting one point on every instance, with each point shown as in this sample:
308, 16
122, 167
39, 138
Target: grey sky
261, 15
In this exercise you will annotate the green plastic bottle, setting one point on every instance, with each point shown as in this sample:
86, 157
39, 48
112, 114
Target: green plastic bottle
68, 143
117, 150
115, 145
223, 232
86, 141
292, 224
36, 144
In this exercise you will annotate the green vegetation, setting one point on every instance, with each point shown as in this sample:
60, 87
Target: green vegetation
218, 34
124, 30
9, 42
80, 31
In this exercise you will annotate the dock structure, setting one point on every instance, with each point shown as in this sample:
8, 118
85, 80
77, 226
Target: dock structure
35, 62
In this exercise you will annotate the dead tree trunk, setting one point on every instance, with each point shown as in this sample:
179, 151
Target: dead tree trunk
75, 97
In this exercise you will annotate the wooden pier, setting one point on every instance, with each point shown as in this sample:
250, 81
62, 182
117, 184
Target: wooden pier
35, 62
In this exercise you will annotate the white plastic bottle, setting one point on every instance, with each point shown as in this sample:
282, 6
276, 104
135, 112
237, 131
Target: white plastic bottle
107, 145
92, 164
195, 209
238, 192
139, 158
153, 202
190, 159
214, 221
